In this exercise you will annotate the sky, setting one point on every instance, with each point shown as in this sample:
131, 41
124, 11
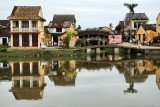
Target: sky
88, 13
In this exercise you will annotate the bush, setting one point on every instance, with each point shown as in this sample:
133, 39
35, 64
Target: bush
3, 48
79, 42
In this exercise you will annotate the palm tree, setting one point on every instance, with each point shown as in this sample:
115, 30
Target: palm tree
131, 8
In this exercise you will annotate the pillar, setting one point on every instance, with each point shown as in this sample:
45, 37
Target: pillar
88, 51
52, 41
20, 39
21, 83
11, 41
20, 24
98, 50
11, 26
30, 24
116, 50
103, 42
31, 67
88, 57
30, 40
98, 57
99, 42
88, 43
21, 68
31, 83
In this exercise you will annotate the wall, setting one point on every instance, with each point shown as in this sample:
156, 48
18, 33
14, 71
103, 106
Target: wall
158, 24
53, 30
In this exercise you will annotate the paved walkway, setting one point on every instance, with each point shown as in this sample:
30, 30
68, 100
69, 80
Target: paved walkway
126, 44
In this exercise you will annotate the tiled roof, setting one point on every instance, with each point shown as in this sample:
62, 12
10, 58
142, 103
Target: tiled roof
63, 18
4, 24
60, 24
26, 12
137, 16
4, 32
149, 27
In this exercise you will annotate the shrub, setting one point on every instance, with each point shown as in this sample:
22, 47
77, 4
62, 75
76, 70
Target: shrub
79, 42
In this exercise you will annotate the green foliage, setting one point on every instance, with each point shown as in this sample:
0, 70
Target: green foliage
79, 42
156, 39
131, 7
78, 28
66, 41
71, 33
3, 48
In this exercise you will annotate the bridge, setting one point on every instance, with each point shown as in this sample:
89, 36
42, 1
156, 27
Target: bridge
126, 46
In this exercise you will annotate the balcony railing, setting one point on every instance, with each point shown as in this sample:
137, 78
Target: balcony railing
25, 29
34, 29
15, 29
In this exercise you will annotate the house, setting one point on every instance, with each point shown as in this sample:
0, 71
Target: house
158, 24
146, 32
132, 22
28, 80
4, 32
58, 26
27, 26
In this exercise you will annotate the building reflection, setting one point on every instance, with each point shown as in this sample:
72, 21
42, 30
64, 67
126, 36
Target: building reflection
27, 80
63, 73
5, 71
137, 71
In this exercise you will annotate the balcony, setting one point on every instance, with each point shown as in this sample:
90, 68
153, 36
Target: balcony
15, 29
24, 29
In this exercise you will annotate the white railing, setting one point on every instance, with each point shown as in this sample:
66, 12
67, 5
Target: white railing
15, 29
25, 29
34, 29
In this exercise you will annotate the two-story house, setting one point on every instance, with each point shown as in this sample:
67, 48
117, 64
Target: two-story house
59, 24
27, 26
132, 22
4, 32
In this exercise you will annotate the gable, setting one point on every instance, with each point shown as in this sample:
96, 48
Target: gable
141, 30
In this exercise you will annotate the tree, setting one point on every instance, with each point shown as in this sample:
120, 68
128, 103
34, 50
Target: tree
78, 28
70, 34
131, 7
110, 26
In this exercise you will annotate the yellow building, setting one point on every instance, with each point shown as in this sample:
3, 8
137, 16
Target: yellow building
146, 32
27, 80
158, 24
27, 26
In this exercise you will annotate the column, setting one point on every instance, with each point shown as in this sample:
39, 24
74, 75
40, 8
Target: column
99, 42
52, 41
30, 25
31, 67
21, 83
11, 41
116, 50
20, 24
58, 40
88, 57
88, 50
21, 68
31, 82
98, 57
98, 50
20, 39
88, 43
103, 42
141, 37
30, 40
11, 26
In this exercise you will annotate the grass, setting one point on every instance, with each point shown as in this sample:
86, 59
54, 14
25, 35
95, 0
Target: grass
40, 53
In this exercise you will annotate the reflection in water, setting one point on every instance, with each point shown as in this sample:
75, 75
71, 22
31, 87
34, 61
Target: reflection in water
28, 78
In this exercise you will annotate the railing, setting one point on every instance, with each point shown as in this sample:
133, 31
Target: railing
25, 29
15, 29
34, 29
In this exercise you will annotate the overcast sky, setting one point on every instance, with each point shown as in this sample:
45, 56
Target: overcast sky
88, 13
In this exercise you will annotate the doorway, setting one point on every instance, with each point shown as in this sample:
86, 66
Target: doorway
4, 40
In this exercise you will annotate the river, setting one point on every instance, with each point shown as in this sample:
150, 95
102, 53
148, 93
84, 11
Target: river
95, 81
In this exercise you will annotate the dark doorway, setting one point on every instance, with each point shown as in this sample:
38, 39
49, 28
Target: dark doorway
4, 41
55, 40
25, 40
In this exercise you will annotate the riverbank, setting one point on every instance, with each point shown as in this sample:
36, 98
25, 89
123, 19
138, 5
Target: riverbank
40, 53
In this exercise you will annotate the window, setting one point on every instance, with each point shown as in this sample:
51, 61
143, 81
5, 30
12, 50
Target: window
58, 29
25, 24
34, 24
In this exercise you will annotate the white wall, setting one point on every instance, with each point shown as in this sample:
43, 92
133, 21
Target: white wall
53, 30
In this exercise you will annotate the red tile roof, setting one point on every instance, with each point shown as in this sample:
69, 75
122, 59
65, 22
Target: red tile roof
26, 12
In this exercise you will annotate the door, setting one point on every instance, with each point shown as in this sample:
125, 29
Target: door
4, 41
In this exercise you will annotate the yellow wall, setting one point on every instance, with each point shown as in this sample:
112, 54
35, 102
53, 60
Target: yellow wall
158, 24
